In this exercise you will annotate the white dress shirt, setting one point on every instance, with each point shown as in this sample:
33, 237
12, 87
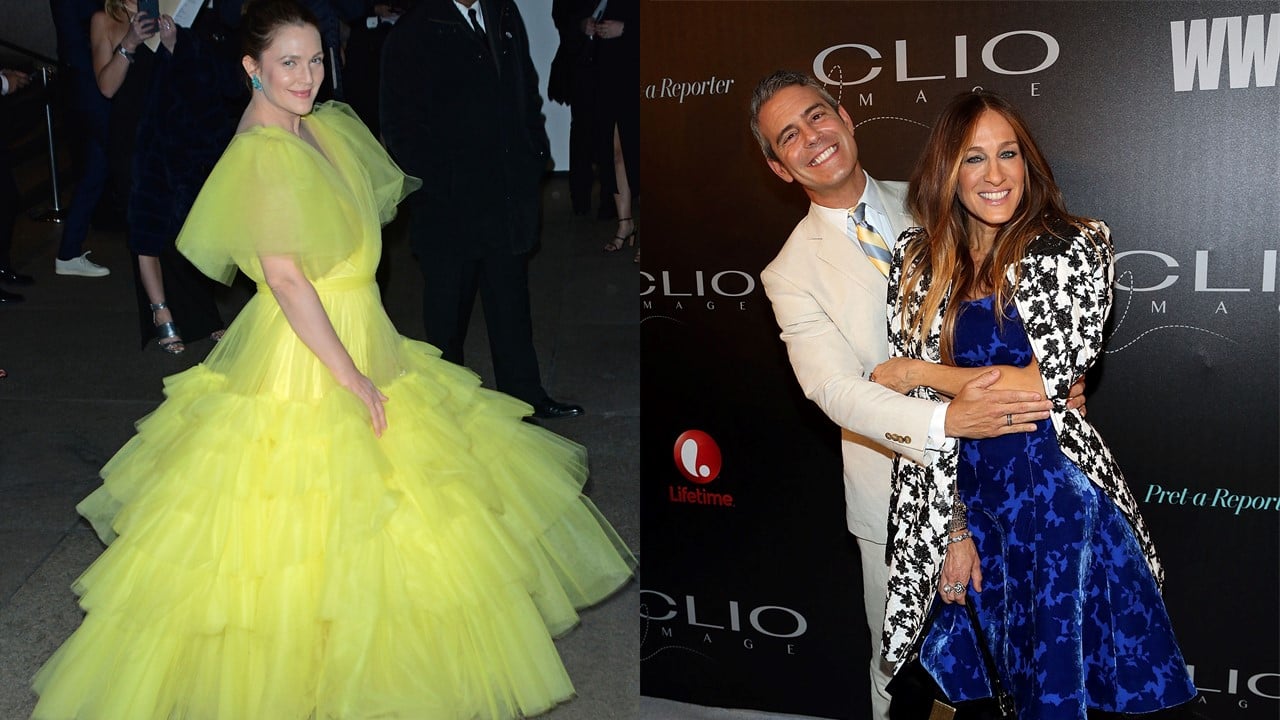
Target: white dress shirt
466, 10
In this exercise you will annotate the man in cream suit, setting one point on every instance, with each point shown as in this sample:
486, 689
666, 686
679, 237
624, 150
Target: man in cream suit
829, 298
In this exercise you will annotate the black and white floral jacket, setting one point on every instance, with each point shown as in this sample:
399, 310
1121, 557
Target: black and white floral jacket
1063, 298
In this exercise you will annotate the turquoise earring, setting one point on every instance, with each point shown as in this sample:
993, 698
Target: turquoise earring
257, 84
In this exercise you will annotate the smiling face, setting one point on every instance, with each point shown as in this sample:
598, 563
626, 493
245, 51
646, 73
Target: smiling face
814, 145
992, 176
290, 70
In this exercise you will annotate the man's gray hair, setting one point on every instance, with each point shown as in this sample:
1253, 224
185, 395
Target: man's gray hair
767, 88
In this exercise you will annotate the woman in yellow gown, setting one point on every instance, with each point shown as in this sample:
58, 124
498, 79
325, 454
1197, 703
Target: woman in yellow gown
324, 520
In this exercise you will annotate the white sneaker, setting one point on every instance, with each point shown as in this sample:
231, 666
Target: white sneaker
82, 266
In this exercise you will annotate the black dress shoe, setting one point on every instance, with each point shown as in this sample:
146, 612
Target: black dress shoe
13, 278
8, 298
548, 409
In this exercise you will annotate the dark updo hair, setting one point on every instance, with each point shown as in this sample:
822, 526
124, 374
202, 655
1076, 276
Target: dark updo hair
262, 18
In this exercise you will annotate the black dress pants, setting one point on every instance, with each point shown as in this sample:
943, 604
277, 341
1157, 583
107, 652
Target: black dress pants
503, 284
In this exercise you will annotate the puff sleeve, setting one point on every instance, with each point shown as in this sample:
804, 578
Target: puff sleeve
273, 194
388, 183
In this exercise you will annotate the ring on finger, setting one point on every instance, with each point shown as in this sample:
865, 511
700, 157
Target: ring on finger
1008, 419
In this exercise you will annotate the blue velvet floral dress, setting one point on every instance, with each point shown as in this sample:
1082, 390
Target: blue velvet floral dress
1068, 603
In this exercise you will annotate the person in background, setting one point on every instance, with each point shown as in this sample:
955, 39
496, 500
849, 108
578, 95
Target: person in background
465, 67
363, 66
11, 81
572, 82
91, 112
615, 28
168, 126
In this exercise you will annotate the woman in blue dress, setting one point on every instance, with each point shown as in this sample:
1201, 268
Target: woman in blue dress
1038, 530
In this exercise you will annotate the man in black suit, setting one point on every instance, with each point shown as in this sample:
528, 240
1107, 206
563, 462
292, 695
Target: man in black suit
461, 110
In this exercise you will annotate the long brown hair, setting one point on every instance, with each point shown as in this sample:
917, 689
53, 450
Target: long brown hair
934, 202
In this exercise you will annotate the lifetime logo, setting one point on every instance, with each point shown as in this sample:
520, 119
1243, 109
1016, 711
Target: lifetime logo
1251, 46
697, 457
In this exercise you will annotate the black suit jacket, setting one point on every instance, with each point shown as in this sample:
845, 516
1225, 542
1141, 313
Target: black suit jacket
467, 120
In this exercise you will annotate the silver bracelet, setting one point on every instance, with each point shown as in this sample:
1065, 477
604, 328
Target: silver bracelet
125, 53
959, 517
959, 538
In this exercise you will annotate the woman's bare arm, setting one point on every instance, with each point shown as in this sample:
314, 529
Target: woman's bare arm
905, 374
306, 315
109, 66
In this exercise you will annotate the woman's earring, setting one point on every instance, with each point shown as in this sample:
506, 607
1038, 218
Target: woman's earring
257, 84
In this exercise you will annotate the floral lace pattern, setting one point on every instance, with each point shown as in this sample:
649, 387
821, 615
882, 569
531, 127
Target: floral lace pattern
1064, 297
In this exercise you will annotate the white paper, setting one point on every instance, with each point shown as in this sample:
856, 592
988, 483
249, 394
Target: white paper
183, 13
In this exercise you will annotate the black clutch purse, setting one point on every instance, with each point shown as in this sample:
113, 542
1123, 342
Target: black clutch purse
915, 695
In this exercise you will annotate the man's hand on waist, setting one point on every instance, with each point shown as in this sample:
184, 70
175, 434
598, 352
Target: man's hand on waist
980, 412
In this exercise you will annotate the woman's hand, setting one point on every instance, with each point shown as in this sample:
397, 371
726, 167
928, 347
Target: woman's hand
168, 32
589, 27
369, 394
141, 27
609, 29
897, 374
959, 567
1075, 396
301, 306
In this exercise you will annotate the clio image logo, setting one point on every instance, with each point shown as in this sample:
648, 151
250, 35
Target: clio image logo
697, 457
1237, 687
858, 54
703, 624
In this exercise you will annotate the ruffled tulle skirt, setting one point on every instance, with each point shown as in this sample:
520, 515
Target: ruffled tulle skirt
271, 559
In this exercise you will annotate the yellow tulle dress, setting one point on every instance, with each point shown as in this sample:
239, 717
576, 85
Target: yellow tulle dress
269, 557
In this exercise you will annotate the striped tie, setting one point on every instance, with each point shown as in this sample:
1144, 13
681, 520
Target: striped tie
872, 244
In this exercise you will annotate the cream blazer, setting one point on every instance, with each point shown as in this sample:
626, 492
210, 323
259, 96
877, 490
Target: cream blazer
830, 303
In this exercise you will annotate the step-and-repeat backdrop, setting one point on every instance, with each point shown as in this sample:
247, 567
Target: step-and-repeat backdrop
1162, 118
